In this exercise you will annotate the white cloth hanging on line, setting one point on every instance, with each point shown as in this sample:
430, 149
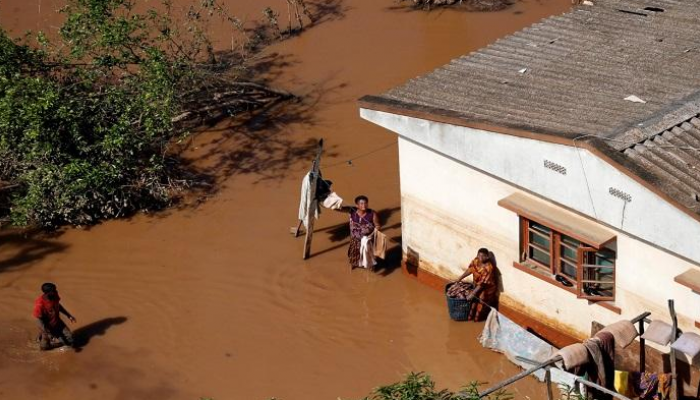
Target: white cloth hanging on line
333, 201
306, 199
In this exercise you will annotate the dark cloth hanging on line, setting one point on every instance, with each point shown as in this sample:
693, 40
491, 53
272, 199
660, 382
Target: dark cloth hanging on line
600, 368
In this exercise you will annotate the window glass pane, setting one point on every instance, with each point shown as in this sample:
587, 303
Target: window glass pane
608, 262
603, 277
540, 228
570, 241
539, 239
598, 274
604, 257
538, 255
569, 270
569, 251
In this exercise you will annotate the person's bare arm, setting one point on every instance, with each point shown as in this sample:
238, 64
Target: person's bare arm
375, 220
465, 274
71, 318
475, 293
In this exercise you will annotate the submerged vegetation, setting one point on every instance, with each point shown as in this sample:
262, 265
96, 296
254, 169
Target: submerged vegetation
90, 121
470, 5
419, 386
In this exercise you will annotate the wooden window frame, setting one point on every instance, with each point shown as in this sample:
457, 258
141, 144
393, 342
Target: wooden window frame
584, 263
555, 259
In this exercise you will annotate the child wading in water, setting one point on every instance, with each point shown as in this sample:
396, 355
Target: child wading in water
47, 309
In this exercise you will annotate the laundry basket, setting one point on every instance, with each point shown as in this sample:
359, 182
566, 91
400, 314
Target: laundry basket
457, 308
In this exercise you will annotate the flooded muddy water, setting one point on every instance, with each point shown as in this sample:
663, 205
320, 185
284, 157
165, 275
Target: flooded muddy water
214, 300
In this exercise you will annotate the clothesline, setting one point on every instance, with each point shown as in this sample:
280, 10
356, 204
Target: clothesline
350, 160
552, 361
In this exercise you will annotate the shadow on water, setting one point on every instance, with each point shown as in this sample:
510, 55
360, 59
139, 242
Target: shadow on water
318, 12
263, 144
340, 233
392, 261
20, 249
83, 335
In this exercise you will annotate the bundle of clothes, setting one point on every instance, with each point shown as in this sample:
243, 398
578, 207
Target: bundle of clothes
645, 385
460, 290
595, 359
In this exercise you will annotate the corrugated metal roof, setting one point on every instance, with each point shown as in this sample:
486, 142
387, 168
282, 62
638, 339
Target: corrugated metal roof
673, 156
568, 76
578, 69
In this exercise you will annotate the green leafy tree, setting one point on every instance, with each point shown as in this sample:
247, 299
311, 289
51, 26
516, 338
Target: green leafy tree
88, 121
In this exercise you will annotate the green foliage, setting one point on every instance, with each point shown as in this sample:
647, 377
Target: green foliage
419, 386
570, 393
86, 123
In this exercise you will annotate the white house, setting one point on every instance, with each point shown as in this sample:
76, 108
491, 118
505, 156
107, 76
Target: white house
571, 149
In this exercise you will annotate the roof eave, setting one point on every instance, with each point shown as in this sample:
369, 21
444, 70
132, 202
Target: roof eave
595, 145
383, 104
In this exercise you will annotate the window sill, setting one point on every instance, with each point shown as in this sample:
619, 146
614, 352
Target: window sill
607, 305
542, 275
549, 279
689, 279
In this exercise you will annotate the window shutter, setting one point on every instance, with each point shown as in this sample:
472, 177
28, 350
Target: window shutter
596, 275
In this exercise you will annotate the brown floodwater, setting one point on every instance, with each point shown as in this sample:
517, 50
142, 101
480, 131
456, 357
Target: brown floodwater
214, 300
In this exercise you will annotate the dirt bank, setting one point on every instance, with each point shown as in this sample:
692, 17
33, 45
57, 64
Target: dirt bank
215, 300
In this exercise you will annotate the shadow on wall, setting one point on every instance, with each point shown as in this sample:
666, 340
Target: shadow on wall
393, 259
84, 334
20, 249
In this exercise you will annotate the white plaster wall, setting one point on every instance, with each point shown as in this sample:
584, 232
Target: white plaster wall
584, 188
449, 210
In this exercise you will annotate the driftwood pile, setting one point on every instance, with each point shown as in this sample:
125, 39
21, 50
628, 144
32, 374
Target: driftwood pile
460, 290
470, 5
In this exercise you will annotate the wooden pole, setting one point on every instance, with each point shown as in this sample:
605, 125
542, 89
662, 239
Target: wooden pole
313, 203
640, 317
520, 376
674, 336
548, 381
642, 348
